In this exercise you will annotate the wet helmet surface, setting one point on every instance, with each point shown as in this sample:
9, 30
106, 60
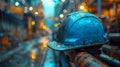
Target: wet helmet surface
79, 29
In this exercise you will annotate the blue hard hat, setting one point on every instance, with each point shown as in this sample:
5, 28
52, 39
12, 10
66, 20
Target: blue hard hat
79, 29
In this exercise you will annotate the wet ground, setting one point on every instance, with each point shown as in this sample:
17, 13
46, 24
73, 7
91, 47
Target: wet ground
29, 54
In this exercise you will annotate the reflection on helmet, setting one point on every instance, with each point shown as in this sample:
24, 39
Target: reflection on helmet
79, 29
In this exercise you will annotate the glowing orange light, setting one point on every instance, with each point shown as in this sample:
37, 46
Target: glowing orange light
33, 22
83, 7
61, 15
56, 25
33, 55
36, 13
30, 8
44, 40
44, 27
44, 45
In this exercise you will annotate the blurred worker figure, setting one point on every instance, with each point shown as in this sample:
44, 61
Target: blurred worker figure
79, 32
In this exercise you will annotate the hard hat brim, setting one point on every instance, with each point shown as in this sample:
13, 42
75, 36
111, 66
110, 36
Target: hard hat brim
61, 47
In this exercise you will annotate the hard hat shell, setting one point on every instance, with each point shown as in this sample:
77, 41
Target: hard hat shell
79, 29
